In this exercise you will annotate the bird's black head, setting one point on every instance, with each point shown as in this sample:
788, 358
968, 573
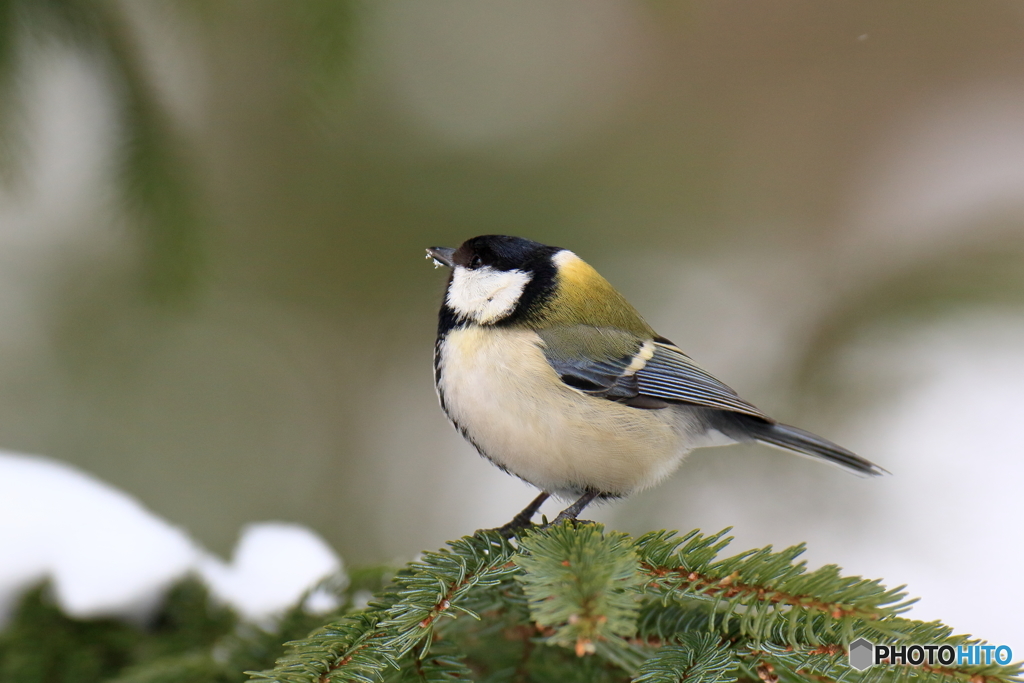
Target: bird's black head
496, 278
503, 252
500, 252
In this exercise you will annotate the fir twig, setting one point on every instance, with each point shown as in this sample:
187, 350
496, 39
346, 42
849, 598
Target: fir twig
762, 589
364, 644
595, 578
699, 658
576, 603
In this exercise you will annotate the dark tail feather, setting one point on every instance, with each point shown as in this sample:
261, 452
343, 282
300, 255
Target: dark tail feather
805, 443
794, 439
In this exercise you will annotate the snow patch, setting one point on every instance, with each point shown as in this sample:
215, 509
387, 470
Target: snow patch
106, 554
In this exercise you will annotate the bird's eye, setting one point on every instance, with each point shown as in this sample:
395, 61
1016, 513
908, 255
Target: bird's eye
475, 262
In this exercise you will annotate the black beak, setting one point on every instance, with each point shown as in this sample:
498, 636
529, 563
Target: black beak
442, 256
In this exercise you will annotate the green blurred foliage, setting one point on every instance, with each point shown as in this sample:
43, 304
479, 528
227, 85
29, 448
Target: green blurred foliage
189, 638
42, 644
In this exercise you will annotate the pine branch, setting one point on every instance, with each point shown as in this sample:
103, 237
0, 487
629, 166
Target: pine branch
363, 645
446, 578
595, 578
444, 663
794, 623
761, 589
573, 603
698, 658
569, 604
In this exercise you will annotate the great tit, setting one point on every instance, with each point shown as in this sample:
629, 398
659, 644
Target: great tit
554, 377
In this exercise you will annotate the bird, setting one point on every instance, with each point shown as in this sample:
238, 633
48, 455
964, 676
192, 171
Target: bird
553, 376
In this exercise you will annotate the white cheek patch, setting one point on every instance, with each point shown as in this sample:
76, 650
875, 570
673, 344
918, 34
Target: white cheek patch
485, 295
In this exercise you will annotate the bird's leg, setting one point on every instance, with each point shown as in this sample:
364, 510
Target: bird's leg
522, 520
576, 508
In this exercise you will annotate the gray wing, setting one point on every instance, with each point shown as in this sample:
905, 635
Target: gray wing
645, 373
596, 360
671, 375
653, 373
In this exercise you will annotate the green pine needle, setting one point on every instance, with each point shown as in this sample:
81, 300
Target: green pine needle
698, 658
581, 585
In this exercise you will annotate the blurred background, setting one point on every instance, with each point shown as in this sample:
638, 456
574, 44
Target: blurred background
213, 293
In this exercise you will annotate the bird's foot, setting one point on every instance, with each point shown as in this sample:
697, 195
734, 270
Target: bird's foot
511, 530
519, 524
571, 512
523, 520
568, 518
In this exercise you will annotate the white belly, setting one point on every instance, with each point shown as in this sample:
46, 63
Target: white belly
498, 387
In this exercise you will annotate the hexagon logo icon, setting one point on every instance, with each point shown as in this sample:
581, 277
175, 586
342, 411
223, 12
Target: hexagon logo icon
862, 654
